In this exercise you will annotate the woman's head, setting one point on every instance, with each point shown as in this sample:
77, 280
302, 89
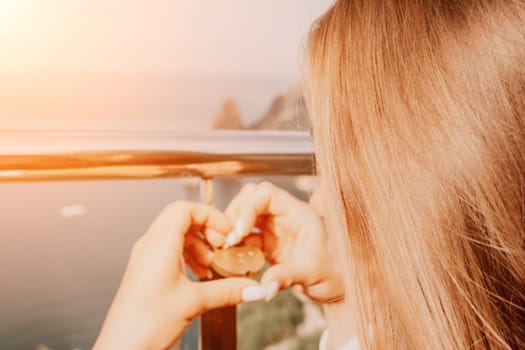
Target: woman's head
418, 111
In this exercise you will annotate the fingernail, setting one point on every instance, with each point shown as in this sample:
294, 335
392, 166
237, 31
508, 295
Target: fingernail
209, 274
210, 256
239, 227
254, 293
255, 230
273, 290
231, 239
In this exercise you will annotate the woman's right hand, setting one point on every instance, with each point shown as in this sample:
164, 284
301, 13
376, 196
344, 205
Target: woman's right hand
293, 239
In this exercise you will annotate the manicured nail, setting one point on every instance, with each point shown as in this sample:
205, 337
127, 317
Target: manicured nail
273, 290
235, 236
255, 230
231, 239
254, 293
239, 227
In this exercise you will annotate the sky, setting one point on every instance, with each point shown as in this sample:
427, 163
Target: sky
225, 37
157, 64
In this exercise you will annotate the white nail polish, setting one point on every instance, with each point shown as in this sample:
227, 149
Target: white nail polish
273, 290
239, 227
254, 293
231, 239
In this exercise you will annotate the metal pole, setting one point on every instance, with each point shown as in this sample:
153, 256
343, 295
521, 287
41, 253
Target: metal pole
61, 156
218, 328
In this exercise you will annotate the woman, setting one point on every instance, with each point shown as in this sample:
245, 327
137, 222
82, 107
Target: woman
419, 124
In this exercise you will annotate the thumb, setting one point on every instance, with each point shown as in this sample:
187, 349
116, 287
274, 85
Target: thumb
282, 276
228, 292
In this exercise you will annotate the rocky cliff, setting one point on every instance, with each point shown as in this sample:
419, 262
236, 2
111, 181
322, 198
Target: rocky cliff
286, 112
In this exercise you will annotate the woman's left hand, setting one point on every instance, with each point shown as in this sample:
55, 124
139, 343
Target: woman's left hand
156, 301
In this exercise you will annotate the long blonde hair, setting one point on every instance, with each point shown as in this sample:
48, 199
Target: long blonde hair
419, 122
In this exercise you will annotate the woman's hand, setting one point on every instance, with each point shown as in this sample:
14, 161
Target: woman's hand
293, 239
156, 301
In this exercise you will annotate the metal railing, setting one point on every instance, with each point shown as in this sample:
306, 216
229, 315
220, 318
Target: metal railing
62, 155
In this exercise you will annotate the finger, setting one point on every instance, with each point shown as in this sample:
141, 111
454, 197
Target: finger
285, 276
269, 199
198, 269
228, 292
198, 249
215, 238
264, 199
236, 203
169, 228
233, 211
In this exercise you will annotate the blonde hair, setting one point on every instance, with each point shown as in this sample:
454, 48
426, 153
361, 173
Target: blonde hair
419, 122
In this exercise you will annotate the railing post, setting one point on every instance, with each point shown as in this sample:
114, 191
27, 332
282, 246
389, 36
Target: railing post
218, 328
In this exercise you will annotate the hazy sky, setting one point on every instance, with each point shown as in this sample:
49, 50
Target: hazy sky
161, 64
246, 37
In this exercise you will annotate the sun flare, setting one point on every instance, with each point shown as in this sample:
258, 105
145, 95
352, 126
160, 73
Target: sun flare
10, 11
9, 7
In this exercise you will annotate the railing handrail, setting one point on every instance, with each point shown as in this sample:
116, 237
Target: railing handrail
88, 155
